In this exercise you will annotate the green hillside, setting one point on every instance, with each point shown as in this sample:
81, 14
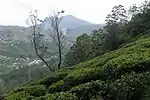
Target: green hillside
112, 63
122, 74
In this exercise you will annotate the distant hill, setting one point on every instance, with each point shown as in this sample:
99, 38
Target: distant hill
74, 26
69, 22
72, 22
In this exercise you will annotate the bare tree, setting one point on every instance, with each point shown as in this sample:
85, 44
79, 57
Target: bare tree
39, 47
57, 34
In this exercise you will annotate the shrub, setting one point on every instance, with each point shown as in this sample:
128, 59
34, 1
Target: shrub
58, 96
37, 90
113, 69
57, 87
130, 87
83, 75
50, 79
62, 96
19, 96
88, 91
53, 78
2, 97
40, 98
112, 65
127, 63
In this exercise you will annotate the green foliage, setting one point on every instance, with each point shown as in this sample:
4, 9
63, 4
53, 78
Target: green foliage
140, 16
118, 30
48, 80
88, 91
43, 97
19, 96
57, 87
2, 97
85, 48
37, 90
62, 96
130, 87
111, 65
77, 51
52, 77
58, 96
114, 23
99, 41
110, 69
83, 75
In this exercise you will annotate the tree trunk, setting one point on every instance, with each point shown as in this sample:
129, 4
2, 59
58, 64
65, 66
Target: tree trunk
34, 41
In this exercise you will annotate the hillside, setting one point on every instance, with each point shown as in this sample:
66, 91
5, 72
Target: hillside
122, 74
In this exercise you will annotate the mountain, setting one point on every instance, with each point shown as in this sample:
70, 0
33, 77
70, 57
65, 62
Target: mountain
68, 21
122, 74
72, 22
74, 26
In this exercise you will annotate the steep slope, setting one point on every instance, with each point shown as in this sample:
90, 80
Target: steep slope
122, 74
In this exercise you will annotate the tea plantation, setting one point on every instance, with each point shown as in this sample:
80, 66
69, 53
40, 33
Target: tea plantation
122, 74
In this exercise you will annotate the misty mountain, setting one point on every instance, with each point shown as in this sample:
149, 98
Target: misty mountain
74, 26
68, 21
72, 22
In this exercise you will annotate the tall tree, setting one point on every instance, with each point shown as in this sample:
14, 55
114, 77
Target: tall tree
57, 34
114, 21
140, 19
85, 48
38, 43
80, 51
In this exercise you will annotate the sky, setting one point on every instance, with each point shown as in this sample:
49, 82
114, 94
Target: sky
15, 12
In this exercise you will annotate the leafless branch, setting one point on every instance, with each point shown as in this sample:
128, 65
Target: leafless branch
54, 21
32, 22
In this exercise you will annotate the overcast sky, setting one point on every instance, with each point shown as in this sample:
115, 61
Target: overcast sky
15, 12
